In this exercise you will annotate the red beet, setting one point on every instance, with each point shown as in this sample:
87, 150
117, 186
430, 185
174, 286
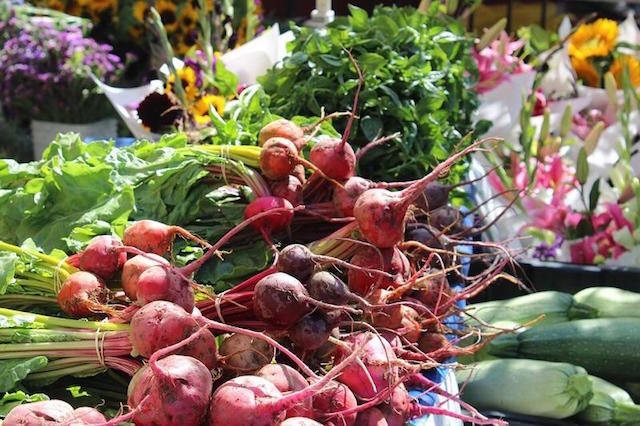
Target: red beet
334, 398
160, 324
380, 214
299, 421
41, 413
101, 257
286, 379
280, 128
310, 332
245, 354
334, 158
178, 389
279, 299
161, 283
156, 237
89, 416
390, 260
296, 260
289, 188
271, 223
83, 295
134, 267
345, 199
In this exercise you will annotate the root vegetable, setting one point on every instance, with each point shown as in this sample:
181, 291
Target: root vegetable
280, 128
89, 416
391, 260
169, 284
328, 288
375, 416
286, 379
83, 295
334, 157
289, 188
40, 413
160, 324
334, 398
156, 237
178, 389
296, 260
245, 354
101, 257
376, 370
344, 199
310, 332
300, 421
270, 223
278, 158
380, 213
134, 267
432, 342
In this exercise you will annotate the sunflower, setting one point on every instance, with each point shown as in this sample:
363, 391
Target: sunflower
136, 31
188, 18
586, 71
200, 109
188, 78
140, 10
99, 7
56, 5
596, 39
74, 8
167, 11
633, 66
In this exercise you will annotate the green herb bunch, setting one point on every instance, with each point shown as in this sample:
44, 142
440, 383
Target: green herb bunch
418, 80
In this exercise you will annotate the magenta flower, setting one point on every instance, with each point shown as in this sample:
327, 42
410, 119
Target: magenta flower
497, 62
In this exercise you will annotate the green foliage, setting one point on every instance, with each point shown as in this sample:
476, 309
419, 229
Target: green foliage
418, 77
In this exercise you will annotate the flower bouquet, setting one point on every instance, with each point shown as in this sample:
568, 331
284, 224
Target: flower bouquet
45, 76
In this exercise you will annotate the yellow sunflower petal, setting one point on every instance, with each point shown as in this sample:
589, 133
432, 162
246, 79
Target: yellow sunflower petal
633, 66
595, 39
586, 71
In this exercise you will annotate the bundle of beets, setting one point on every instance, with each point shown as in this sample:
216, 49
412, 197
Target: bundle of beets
333, 333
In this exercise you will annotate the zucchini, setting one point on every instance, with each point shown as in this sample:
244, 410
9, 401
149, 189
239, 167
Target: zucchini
611, 302
523, 386
554, 305
606, 347
610, 405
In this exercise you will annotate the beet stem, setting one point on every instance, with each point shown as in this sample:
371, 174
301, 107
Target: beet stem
347, 130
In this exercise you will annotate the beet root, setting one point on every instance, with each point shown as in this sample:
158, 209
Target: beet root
390, 260
270, 223
160, 283
299, 421
40, 413
101, 257
334, 158
280, 299
83, 295
296, 260
178, 391
289, 188
310, 332
344, 199
89, 416
134, 267
334, 398
286, 379
280, 128
160, 324
278, 158
245, 354
155, 237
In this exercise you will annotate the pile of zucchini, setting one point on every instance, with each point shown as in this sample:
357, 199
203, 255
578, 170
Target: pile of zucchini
562, 358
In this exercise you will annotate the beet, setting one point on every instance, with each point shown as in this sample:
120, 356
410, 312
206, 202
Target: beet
434, 292
280, 128
156, 237
299, 421
310, 332
328, 288
393, 261
344, 199
431, 342
245, 354
289, 188
160, 324
335, 397
101, 257
178, 390
334, 158
286, 379
169, 284
270, 223
296, 260
40, 413
380, 214
83, 295
447, 219
89, 416
134, 267
278, 158
279, 299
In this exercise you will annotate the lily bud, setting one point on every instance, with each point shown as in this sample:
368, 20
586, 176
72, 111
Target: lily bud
591, 141
491, 34
612, 89
567, 117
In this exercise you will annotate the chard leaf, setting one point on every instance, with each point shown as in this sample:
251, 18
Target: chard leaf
13, 371
10, 400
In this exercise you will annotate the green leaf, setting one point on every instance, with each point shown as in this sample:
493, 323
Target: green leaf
594, 195
12, 371
371, 62
371, 127
11, 400
582, 168
225, 80
358, 18
7, 270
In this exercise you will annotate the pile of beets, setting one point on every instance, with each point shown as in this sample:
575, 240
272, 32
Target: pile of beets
334, 332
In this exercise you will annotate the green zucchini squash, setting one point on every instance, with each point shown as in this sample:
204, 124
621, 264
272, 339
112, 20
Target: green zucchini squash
606, 347
554, 305
537, 388
610, 405
611, 302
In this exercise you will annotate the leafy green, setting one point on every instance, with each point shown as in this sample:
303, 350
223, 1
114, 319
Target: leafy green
81, 190
418, 77
10, 400
12, 371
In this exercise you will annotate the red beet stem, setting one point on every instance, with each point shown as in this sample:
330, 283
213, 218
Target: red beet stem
352, 117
